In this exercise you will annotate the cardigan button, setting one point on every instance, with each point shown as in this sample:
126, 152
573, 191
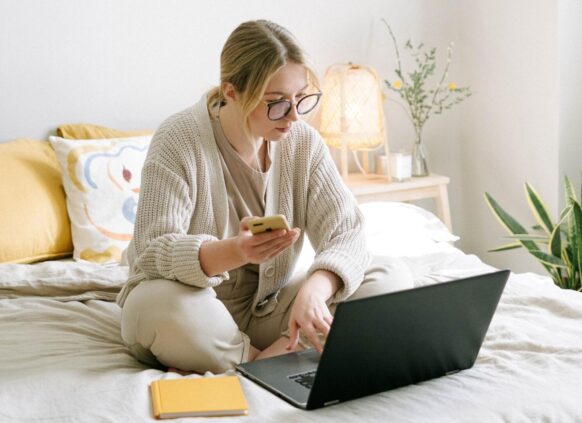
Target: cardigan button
270, 271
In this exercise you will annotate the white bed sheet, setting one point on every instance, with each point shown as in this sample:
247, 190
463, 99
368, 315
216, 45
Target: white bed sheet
62, 358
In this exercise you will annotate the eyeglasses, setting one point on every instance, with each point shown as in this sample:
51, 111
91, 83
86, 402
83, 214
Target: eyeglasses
278, 109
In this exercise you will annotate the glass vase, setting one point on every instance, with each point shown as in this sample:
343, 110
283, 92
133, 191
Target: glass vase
419, 157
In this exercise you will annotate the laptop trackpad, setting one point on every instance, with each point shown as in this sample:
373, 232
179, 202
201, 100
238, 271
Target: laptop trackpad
279, 373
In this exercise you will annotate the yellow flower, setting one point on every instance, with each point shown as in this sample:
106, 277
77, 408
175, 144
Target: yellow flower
452, 86
397, 84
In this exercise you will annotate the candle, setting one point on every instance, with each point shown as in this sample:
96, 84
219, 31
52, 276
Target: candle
382, 165
400, 165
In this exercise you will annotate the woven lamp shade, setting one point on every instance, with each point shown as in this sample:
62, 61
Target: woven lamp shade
352, 113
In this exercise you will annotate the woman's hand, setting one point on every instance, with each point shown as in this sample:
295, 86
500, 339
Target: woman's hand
261, 247
310, 313
224, 255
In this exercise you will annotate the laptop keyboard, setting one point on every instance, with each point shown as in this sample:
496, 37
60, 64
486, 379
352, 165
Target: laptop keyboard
304, 379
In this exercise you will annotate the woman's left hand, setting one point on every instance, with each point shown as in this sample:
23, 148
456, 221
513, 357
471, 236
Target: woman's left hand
310, 312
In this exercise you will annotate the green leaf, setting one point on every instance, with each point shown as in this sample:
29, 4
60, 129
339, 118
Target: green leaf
569, 188
569, 268
547, 258
539, 209
555, 247
512, 226
558, 277
571, 231
506, 247
576, 241
529, 237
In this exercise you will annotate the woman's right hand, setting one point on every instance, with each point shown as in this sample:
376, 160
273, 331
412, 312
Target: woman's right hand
261, 247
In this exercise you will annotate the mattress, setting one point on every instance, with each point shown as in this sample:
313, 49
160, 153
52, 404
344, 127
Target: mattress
62, 358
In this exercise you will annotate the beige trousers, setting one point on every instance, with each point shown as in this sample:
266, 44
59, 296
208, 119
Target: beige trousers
169, 324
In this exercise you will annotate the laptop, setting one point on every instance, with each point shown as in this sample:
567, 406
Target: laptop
387, 341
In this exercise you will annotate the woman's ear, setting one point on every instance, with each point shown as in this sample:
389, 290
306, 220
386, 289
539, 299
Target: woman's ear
229, 92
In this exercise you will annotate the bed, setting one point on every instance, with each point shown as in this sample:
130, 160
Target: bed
62, 358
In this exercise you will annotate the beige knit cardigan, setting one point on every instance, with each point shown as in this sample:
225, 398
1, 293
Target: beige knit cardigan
183, 203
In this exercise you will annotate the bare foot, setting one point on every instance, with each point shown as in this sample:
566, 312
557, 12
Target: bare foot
253, 353
279, 347
182, 372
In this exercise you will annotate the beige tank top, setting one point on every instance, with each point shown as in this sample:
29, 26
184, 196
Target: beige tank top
246, 189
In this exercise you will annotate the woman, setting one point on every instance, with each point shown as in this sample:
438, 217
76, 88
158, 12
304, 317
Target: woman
204, 293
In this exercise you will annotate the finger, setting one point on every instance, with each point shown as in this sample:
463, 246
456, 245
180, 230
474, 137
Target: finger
267, 251
296, 232
327, 316
277, 240
322, 326
279, 250
281, 235
328, 319
293, 336
276, 245
263, 239
312, 336
244, 223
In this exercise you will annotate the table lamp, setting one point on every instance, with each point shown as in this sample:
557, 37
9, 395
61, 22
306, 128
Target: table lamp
352, 113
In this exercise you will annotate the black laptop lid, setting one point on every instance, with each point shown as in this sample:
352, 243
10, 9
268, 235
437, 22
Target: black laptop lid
406, 337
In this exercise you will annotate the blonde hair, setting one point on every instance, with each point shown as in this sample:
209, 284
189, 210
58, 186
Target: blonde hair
252, 54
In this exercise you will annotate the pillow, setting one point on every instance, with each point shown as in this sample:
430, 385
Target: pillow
101, 180
394, 229
34, 225
399, 229
76, 131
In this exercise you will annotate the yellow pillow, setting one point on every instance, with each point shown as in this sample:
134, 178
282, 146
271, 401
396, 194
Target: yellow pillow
34, 224
86, 131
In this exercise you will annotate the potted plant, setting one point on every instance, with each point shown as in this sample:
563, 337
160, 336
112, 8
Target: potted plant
422, 100
556, 244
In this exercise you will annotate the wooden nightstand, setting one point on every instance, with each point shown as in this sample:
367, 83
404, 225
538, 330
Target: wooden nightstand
375, 188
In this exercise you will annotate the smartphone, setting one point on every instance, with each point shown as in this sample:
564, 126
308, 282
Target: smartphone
268, 224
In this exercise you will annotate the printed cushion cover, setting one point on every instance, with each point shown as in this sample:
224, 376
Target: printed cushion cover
101, 180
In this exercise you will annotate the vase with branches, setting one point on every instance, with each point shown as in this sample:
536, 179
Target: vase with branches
421, 100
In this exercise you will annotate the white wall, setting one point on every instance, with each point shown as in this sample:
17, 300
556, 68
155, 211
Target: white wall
509, 129
129, 64
570, 59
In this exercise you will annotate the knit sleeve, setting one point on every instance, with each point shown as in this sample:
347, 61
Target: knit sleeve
335, 226
162, 246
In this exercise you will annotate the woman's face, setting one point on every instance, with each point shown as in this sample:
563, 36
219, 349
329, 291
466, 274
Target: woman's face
289, 83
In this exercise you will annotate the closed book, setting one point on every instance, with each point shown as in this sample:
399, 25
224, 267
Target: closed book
202, 396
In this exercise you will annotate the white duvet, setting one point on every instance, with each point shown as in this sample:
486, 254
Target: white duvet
62, 358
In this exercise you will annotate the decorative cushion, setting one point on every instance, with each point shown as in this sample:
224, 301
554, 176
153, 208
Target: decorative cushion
101, 180
34, 225
83, 131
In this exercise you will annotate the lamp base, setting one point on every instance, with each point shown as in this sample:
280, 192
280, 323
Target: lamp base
382, 167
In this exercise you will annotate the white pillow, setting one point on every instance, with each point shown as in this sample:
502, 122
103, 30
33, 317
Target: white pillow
395, 229
101, 180
403, 229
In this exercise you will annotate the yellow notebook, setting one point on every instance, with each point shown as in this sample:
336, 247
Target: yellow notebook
204, 396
